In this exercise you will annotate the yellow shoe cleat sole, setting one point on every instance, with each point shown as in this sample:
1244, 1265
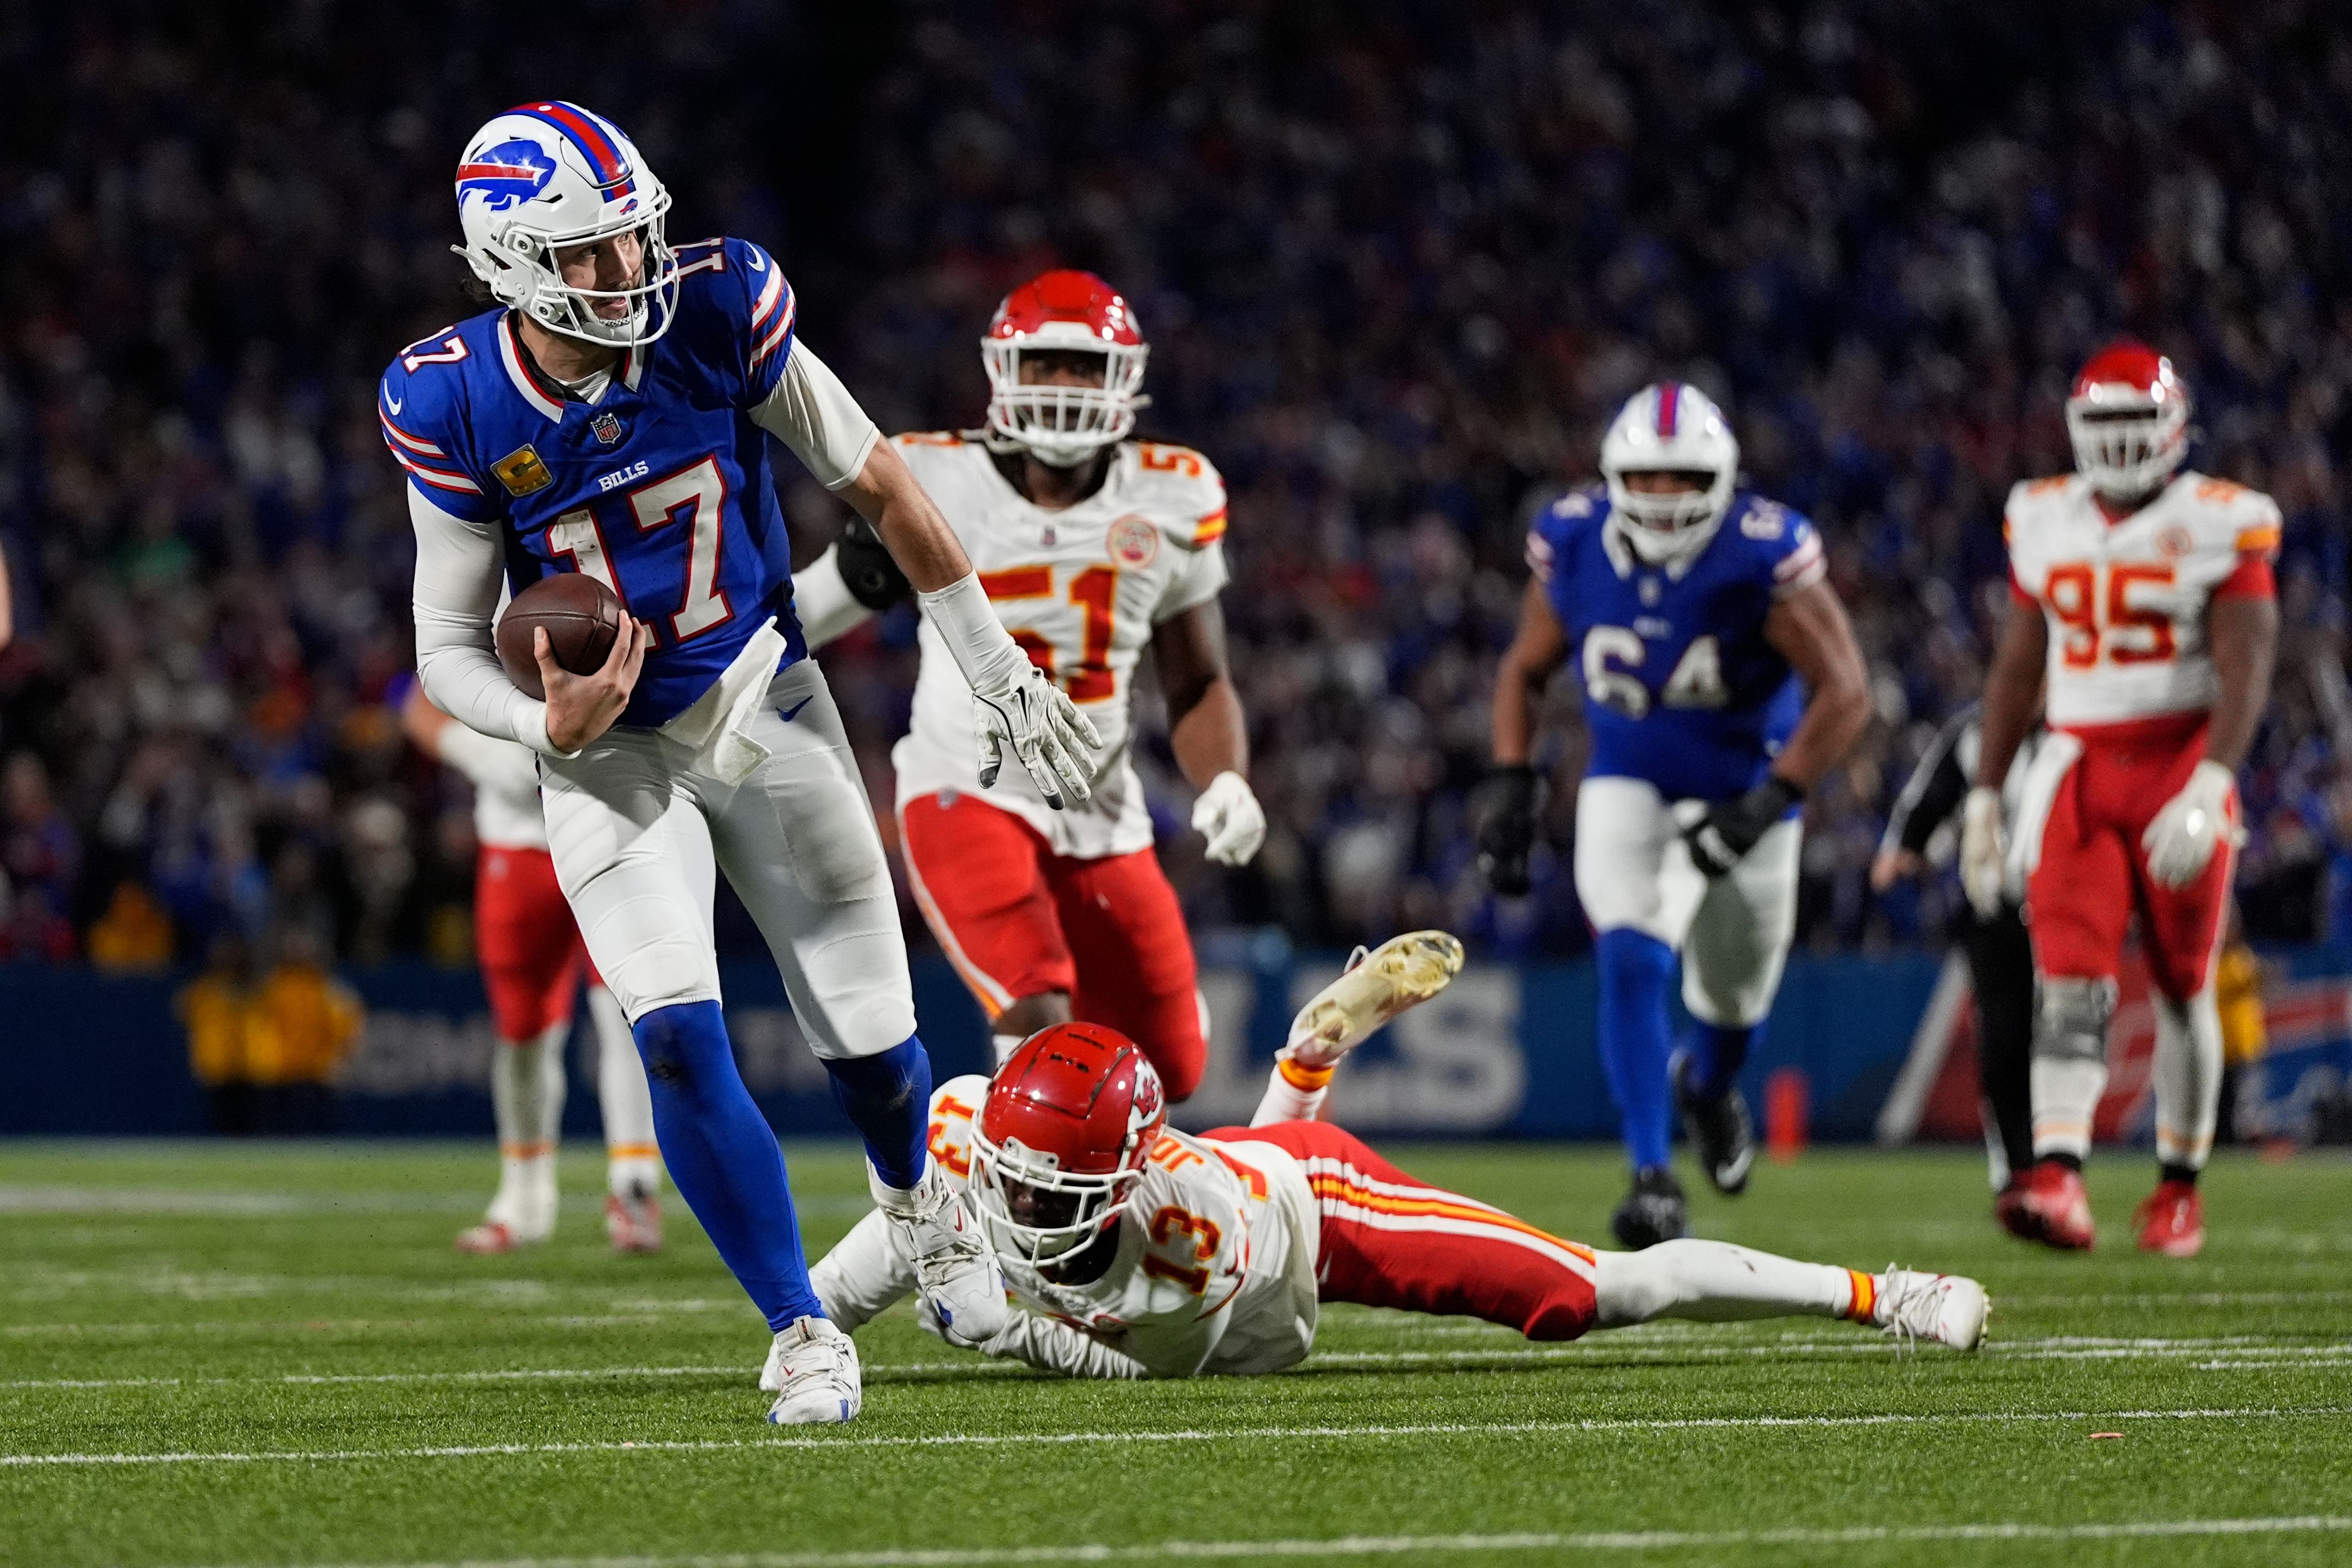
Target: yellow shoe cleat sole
1400, 973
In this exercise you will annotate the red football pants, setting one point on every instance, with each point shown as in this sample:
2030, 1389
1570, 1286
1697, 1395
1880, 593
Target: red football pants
1018, 921
532, 955
1391, 1241
2091, 876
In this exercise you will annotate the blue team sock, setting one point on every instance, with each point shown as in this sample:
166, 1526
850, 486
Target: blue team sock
888, 1098
1635, 971
722, 1154
1716, 1052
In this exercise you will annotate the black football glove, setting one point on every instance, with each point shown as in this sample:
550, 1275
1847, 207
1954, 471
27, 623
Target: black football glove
1731, 827
1514, 802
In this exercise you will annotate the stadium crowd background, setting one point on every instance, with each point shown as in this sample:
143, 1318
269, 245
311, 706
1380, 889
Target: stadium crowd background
1398, 262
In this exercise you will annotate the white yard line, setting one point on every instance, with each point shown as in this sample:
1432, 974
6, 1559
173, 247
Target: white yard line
2225, 1353
63, 1199
882, 1372
1410, 1545
2189, 1299
637, 1312
1232, 1435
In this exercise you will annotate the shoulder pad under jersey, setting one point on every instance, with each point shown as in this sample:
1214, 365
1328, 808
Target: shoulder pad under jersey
422, 403
736, 309
1179, 490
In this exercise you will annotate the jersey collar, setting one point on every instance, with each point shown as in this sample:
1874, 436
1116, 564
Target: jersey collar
533, 384
1622, 557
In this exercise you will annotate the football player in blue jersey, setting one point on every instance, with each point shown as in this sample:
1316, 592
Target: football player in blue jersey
610, 416
1692, 609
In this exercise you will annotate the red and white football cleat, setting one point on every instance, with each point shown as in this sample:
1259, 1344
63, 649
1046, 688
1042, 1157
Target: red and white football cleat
2171, 1220
633, 1224
2048, 1205
486, 1239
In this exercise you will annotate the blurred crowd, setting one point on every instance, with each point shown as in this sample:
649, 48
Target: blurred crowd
1398, 263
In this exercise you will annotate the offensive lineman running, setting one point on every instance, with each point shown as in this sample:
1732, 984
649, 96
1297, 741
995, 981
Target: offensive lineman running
610, 418
532, 961
2146, 609
1692, 609
1137, 1251
1092, 547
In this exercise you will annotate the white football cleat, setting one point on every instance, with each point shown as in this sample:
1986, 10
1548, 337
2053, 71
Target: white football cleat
1949, 1308
521, 1215
812, 1368
1402, 973
955, 1268
633, 1223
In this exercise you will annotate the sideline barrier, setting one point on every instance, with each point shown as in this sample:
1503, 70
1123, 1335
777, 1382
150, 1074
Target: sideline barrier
1508, 1050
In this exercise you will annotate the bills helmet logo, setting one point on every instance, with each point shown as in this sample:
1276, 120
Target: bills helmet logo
506, 174
607, 428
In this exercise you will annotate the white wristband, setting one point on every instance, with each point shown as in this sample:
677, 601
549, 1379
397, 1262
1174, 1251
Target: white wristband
990, 660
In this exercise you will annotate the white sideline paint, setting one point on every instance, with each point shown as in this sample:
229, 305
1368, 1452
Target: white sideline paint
2224, 1354
1401, 1546
1232, 1435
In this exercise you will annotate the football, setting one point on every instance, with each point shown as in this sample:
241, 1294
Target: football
582, 616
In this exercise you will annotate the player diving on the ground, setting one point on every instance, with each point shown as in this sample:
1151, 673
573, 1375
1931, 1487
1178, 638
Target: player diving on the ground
1136, 1251
1692, 608
610, 416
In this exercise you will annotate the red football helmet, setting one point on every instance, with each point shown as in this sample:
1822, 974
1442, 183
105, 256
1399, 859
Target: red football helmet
2128, 417
1063, 424
1059, 1147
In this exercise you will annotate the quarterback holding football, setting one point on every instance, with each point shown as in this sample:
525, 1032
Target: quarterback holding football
609, 416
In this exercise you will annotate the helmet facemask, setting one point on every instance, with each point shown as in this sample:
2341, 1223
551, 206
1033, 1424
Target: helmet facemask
1030, 1209
2127, 439
521, 267
1663, 525
1060, 423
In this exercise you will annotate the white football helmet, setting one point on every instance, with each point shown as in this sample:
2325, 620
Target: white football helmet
543, 177
1671, 427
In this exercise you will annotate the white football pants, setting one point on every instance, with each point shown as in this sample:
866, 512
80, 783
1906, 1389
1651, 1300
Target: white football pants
1733, 931
635, 826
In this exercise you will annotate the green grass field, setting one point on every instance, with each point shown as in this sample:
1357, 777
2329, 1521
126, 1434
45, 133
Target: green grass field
271, 1355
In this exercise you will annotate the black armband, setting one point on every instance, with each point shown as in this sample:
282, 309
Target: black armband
872, 578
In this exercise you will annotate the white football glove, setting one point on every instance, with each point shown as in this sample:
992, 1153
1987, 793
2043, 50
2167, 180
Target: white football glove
2181, 839
1046, 732
1229, 816
1984, 851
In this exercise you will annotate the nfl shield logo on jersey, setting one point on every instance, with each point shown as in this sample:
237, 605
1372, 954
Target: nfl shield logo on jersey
606, 427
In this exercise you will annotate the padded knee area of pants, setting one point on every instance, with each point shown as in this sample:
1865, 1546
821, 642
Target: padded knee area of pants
653, 954
2069, 1018
863, 995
